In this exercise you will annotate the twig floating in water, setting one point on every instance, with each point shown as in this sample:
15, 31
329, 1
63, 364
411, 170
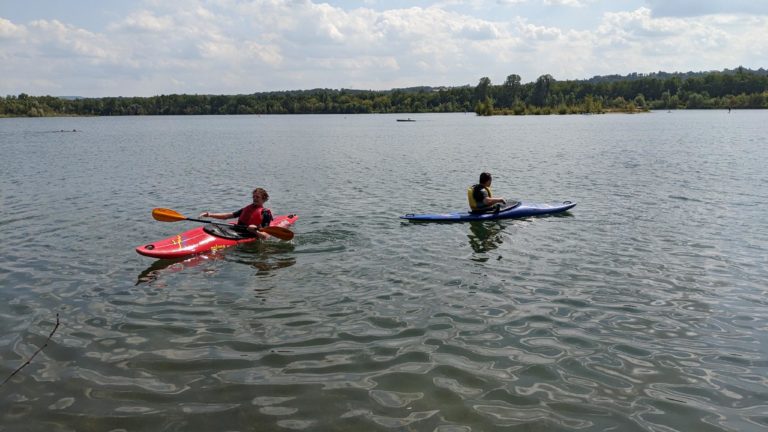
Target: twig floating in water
36, 352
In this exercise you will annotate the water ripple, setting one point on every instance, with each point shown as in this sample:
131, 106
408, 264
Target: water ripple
644, 308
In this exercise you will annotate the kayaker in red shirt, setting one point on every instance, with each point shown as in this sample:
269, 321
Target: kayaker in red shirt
253, 216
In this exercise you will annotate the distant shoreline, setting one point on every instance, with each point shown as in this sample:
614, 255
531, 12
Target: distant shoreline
738, 89
550, 112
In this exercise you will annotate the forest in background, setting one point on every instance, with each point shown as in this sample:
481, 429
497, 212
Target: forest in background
739, 88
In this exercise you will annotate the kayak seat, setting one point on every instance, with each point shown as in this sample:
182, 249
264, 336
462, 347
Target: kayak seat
226, 232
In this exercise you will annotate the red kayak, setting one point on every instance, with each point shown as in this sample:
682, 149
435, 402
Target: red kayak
204, 239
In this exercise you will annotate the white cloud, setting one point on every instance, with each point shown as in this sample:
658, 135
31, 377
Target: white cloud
638, 42
9, 30
569, 3
267, 54
204, 14
639, 28
144, 21
566, 3
690, 8
55, 39
480, 31
228, 46
358, 64
533, 32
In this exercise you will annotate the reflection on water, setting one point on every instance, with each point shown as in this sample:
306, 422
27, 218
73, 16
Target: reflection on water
163, 266
485, 236
265, 267
264, 256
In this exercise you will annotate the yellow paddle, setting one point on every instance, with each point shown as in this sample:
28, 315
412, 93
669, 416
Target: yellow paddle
168, 215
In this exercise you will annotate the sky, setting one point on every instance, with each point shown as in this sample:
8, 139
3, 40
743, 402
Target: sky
100, 48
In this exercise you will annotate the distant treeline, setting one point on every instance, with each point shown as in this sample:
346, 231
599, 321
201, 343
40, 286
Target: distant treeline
666, 75
739, 88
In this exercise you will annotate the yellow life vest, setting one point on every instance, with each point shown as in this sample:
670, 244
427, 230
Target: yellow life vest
473, 204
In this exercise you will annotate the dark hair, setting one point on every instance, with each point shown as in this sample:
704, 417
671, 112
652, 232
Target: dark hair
262, 192
484, 177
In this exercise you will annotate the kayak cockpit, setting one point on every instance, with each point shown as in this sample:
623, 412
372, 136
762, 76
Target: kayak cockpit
231, 233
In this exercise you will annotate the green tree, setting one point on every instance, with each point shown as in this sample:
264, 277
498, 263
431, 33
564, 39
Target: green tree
484, 108
483, 89
640, 101
541, 90
510, 91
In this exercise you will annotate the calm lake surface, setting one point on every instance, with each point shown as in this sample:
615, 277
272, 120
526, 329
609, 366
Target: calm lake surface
645, 308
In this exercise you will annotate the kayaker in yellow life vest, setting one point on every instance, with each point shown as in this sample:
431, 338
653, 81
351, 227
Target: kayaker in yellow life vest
481, 199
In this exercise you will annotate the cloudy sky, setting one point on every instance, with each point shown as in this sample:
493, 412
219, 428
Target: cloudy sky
150, 47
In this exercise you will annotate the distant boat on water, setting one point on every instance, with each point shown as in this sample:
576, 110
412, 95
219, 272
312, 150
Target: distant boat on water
406, 120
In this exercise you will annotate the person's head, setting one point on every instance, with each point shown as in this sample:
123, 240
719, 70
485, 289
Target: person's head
485, 179
260, 196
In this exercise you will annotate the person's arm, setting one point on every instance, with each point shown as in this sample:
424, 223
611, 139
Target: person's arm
254, 229
217, 215
492, 201
488, 201
266, 218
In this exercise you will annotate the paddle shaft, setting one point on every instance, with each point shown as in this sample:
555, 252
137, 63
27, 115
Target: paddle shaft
219, 223
212, 222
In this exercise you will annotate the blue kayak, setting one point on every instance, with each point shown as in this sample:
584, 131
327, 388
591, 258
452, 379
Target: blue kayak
516, 210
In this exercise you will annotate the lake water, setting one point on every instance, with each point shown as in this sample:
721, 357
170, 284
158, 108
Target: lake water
645, 308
